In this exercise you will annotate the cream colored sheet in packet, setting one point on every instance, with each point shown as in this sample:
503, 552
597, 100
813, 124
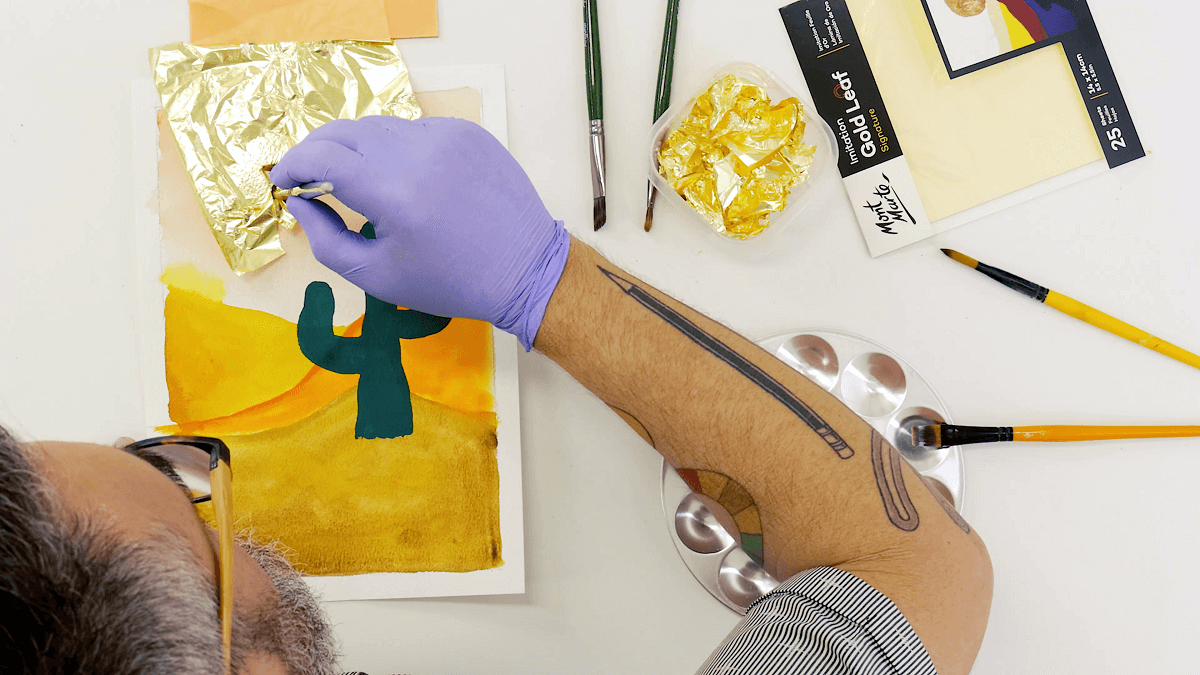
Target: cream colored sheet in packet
981, 136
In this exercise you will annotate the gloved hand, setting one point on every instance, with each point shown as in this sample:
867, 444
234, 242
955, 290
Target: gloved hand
460, 230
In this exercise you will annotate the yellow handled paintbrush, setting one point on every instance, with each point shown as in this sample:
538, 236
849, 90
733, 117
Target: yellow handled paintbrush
946, 435
1077, 309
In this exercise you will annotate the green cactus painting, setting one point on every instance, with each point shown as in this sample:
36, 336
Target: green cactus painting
384, 402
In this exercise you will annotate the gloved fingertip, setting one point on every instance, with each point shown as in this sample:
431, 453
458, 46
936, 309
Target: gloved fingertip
333, 244
279, 177
316, 161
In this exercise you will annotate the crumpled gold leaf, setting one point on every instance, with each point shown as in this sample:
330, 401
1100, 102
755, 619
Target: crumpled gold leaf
735, 157
235, 110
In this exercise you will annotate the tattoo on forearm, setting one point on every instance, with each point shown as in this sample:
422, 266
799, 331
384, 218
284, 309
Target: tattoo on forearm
946, 505
736, 500
736, 361
889, 478
636, 424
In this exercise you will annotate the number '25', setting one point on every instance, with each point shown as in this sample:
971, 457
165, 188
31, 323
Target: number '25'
1118, 141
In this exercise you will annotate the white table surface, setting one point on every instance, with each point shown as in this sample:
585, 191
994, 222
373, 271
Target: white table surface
1092, 543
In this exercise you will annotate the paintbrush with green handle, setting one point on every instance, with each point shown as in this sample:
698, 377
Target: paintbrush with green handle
662, 93
595, 96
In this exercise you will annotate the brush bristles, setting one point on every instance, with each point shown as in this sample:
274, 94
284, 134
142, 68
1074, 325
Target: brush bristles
960, 258
599, 213
929, 435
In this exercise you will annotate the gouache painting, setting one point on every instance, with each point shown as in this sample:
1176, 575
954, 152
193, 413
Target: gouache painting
974, 34
377, 444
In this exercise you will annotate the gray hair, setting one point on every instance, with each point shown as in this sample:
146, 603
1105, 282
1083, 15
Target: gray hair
76, 598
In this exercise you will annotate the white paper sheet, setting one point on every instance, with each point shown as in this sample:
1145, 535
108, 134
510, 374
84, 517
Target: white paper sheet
506, 579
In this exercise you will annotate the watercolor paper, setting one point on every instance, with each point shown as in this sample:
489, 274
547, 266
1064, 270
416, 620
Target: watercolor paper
434, 512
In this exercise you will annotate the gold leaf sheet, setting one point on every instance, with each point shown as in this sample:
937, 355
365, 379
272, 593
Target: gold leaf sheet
235, 110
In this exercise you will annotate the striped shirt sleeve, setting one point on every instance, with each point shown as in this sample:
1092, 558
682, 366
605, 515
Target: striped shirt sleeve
822, 621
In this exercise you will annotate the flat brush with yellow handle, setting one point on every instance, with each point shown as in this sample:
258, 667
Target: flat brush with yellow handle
947, 435
1077, 309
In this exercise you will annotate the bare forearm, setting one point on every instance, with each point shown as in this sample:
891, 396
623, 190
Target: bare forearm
828, 489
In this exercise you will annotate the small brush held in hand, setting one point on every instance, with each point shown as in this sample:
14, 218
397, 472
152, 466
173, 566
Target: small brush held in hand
947, 435
306, 191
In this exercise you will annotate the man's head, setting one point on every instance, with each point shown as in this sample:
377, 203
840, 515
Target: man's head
106, 568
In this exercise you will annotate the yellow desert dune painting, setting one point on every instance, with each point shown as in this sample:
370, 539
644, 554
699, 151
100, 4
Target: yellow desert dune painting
344, 505
379, 446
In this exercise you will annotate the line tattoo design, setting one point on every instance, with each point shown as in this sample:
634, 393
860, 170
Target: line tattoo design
946, 505
736, 361
889, 478
635, 424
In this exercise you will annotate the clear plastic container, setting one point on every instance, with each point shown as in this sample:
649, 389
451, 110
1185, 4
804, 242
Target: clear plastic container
816, 133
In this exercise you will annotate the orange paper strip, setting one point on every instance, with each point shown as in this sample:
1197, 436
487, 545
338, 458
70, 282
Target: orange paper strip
226, 22
412, 18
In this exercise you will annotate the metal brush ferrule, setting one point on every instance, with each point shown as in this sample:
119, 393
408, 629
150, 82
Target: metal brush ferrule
597, 159
958, 435
1018, 284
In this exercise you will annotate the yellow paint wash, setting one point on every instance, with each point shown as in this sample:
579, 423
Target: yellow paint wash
454, 367
314, 391
221, 359
188, 277
237, 371
426, 502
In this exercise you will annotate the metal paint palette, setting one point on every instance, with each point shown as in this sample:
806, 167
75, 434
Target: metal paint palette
719, 536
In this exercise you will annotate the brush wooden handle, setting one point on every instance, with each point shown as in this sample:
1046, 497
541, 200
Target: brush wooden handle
1061, 433
1086, 314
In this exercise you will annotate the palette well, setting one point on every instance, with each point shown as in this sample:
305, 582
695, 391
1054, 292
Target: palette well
713, 520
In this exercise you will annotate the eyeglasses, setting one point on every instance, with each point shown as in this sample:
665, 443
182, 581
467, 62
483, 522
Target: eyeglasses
202, 465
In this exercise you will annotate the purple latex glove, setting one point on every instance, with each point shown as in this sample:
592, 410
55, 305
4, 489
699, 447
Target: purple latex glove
460, 230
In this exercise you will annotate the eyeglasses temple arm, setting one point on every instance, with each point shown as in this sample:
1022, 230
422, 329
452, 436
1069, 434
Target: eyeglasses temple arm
222, 497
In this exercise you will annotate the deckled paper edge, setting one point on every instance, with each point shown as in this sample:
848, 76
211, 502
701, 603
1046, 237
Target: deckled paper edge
151, 294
